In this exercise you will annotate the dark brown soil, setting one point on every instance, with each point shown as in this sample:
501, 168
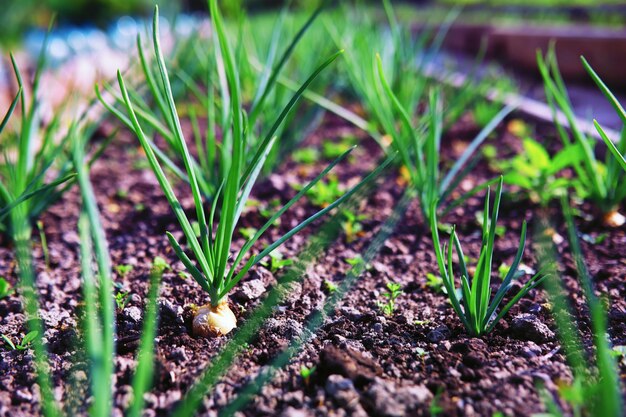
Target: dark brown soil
419, 361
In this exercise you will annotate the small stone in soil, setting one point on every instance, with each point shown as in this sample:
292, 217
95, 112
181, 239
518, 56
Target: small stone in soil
341, 390
387, 399
438, 334
529, 327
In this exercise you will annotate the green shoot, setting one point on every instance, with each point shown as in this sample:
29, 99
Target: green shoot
435, 282
618, 153
475, 306
330, 286
121, 299
332, 149
276, 262
306, 373
123, 269
388, 307
352, 226
24, 344
161, 264
325, 192
5, 288
305, 155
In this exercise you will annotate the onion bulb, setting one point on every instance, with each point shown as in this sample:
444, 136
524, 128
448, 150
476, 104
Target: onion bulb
213, 321
614, 219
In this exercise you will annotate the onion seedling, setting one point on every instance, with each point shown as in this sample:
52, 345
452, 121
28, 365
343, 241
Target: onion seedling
602, 183
474, 306
215, 270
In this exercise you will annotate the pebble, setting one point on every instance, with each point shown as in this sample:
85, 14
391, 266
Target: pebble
390, 400
132, 313
529, 327
341, 390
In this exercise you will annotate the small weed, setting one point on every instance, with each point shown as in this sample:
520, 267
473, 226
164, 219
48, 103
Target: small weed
306, 372
394, 292
435, 282
247, 232
276, 261
324, 192
306, 155
160, 264
352, 226
24, 344
330, 286
121, 299
332, 150
5, 288
123, 269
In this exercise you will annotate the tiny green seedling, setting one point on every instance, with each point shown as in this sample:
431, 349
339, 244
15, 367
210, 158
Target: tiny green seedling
276, 261
352, 225
306, 155
484, 112
5, 288
306, 373
394, 292
121, 299
24, 344
325, 192
435, 282
332, 149
123, 269
161, 264
330, 286
358, 261
247, 232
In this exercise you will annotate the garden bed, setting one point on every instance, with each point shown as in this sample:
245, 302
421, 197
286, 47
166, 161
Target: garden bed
415, 362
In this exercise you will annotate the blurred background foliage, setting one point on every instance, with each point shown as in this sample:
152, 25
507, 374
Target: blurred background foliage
17, 16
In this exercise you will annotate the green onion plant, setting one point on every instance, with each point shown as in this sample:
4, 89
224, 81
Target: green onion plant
473, 302
214, 268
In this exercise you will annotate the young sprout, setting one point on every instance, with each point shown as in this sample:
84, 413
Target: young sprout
306, 372
330, 286
216, 269
394, 292
474, 306
276, 261
24, 344
5, 288
123, 269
